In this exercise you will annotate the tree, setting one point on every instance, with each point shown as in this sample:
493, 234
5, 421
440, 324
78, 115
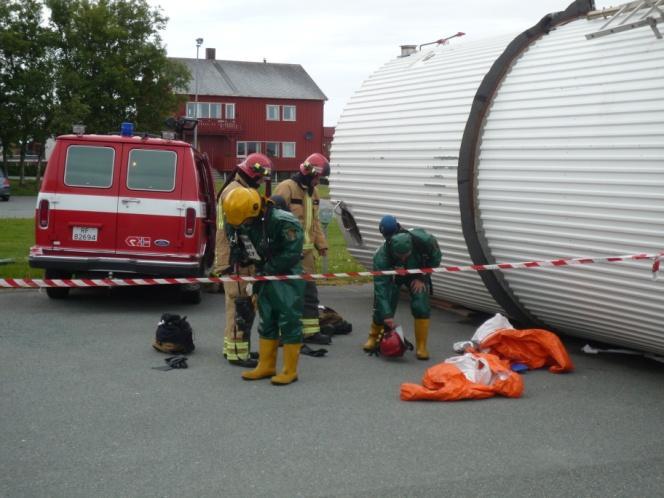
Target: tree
112, 66
25, 88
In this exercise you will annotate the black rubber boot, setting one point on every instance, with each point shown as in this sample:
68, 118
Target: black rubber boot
327, 330
248, 363
318, 338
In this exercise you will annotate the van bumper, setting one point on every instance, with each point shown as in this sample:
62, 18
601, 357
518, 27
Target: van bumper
150, 267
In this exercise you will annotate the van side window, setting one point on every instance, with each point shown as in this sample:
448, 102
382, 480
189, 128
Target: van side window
88, 166
151, 170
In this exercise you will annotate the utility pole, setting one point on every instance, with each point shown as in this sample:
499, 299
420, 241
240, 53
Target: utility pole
199, 42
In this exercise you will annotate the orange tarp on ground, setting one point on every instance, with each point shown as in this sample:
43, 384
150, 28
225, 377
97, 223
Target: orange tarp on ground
448, 382
536, 348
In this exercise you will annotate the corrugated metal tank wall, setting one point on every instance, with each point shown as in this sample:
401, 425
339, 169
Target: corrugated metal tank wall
569, 162
396, 148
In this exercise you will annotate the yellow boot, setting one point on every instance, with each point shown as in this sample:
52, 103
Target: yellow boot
421, 334
267, 360
370, 345
289, 373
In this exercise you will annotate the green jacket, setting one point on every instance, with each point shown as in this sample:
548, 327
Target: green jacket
273, 244
425, 254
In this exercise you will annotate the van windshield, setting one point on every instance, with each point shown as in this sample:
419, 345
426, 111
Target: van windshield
88, 166
151, 170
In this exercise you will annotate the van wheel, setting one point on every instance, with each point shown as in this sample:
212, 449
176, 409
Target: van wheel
190, 293
57, 292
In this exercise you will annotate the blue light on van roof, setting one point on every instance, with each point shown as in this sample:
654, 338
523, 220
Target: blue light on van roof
127, 129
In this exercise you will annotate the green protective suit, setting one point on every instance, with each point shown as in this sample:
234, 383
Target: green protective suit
274, 244
425, 254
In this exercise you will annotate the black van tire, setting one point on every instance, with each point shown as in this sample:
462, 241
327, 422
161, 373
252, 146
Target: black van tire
190, 293
56, 292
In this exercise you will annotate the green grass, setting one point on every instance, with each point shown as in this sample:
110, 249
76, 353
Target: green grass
29, 187
17, 237
339, 260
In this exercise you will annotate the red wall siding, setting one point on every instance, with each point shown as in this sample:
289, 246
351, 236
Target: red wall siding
251, 115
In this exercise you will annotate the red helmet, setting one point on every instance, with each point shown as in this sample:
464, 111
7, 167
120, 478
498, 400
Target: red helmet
256, 166
316, 164
393, 344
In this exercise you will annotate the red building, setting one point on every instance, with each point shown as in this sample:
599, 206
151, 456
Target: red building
328, 136
246, 107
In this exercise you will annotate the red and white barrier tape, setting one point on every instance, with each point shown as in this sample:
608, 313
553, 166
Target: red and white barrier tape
656, 265
124, 282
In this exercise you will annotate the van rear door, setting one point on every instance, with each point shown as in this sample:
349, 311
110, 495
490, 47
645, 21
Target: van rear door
84, 209
206, 194
150, 210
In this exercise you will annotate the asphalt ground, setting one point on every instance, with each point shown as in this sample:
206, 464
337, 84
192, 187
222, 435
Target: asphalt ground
18, 207
84, 414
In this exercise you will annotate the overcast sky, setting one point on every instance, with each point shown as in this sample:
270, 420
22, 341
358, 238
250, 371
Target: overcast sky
338, 42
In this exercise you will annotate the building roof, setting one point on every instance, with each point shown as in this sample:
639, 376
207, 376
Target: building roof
250, 79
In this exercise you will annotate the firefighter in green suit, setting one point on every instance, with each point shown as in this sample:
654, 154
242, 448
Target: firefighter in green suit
303, 199
404, 249
272, 239
251, 173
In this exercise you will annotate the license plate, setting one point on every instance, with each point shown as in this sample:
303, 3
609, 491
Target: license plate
85, 234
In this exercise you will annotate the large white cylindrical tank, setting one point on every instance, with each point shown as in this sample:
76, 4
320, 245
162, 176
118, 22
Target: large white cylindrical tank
541, 146
396, 150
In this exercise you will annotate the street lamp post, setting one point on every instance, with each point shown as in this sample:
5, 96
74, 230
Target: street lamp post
199, 42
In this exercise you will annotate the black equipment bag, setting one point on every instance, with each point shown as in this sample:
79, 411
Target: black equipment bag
174, 335
331, 322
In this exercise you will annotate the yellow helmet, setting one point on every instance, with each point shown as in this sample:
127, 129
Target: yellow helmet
241, 204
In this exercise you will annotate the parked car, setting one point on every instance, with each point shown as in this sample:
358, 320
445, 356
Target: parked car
125, 205
5, 188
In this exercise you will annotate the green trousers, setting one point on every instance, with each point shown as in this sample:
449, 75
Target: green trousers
280, 310
419, 303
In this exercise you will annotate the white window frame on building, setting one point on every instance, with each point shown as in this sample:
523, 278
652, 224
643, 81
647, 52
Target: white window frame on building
229, 111
217, 107
205, 110
275, 146
282, 175
285, 149
292, 114
211, 110
272, 112
246, 147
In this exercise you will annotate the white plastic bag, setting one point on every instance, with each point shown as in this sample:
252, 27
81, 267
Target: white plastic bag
489, 327
475, 369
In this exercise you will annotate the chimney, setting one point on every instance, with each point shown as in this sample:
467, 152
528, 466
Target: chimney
407, 50
210, 54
